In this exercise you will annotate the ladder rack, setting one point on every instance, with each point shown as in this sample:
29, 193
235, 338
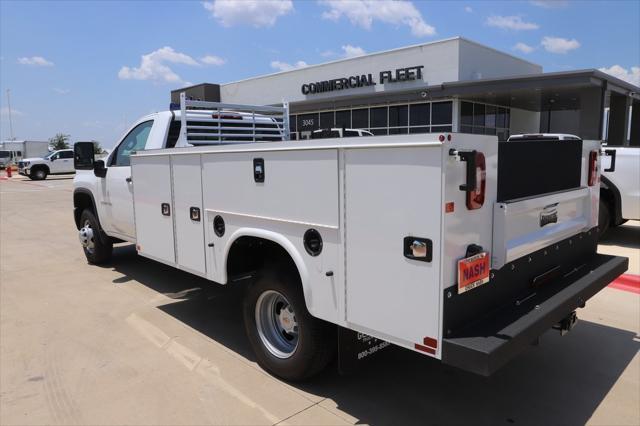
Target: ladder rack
215, 123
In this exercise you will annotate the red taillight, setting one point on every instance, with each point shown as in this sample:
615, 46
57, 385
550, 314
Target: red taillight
475, 198
593, 168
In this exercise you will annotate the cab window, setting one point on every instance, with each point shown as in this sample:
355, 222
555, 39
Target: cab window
66, 154
134, 141
54, 156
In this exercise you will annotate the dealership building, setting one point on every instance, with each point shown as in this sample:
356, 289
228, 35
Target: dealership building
448, 85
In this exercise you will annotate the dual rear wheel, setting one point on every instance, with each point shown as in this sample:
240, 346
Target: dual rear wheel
287, 341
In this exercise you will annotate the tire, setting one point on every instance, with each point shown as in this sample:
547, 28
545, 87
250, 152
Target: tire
604, 218
39, 174
97, 246
313, 346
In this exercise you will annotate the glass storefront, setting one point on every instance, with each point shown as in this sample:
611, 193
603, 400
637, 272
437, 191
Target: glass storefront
419, 117
484, 119
422, 117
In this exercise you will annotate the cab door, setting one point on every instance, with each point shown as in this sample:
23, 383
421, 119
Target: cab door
55, 163
116, 187
64, 163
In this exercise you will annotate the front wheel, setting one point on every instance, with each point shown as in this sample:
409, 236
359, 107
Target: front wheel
287, 340
96, 245
38, 174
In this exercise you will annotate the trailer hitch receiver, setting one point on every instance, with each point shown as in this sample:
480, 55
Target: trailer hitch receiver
566, 324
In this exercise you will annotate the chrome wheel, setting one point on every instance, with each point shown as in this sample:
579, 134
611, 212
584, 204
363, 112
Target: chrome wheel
86, 237
276, 323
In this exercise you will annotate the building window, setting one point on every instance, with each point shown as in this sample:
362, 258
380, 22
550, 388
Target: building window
379, 120
484, 119
327, 120
343, 119
360, 118
420, 114
308, 122
398, 119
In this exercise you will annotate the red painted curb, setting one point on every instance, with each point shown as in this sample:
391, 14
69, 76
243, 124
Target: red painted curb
627, 282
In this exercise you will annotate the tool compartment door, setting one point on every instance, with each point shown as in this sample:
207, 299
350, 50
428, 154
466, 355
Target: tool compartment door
153, 207
391, 194
187, 200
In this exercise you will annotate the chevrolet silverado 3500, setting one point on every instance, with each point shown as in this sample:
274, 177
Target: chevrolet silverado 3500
455, 246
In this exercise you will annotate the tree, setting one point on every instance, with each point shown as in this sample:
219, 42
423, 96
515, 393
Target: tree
59, 141
97, 149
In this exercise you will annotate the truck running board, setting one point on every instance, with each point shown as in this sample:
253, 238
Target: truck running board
491, 342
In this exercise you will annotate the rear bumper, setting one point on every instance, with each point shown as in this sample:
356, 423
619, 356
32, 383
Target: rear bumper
492, 341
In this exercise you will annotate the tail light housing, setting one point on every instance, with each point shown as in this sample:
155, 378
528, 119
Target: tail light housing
593, 168
475, 197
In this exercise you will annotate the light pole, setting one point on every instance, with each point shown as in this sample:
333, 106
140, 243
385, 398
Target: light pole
10, 120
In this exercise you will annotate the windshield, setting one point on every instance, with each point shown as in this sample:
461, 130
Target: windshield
5, 154
49, 155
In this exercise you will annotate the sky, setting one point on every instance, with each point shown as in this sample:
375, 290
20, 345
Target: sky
91, 68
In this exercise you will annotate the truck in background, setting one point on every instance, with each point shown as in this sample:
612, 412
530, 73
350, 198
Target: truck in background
55, 163
620, 187
20, 149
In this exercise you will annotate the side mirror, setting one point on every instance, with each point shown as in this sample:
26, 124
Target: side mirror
99, 169
83, 156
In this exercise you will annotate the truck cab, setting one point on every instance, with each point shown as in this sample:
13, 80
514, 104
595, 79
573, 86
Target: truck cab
7, 157
111, 193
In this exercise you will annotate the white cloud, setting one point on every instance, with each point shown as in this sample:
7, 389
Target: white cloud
631, 76
4, 112
549, 4
284, 66
213, 60
350, 51
514, 23
523, 47
257, 13
363, 12
559, 44
152, 66
468, 9
60, 91
37, 61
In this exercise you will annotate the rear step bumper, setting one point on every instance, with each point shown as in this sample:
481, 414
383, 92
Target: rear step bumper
495, 340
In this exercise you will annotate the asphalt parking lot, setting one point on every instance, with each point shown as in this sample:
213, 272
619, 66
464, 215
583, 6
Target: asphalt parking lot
137, 342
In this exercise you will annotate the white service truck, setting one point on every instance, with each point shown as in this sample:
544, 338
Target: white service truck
455, 246
55, 163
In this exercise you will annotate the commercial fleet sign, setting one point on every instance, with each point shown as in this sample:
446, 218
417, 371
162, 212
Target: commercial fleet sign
354, 81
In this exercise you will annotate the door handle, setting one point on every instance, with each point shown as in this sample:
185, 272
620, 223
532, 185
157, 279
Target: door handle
128, 179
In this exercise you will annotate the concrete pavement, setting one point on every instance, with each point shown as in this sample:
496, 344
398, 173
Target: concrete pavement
137, 342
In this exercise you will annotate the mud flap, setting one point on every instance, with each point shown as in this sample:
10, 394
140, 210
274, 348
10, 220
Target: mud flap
354, 348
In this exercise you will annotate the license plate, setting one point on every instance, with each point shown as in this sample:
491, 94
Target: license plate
473, 272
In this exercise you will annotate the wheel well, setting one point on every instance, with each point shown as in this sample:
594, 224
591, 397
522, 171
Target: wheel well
81, 201
251, 254
608, 197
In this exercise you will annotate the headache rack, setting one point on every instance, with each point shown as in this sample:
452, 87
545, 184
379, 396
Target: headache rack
215, 123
